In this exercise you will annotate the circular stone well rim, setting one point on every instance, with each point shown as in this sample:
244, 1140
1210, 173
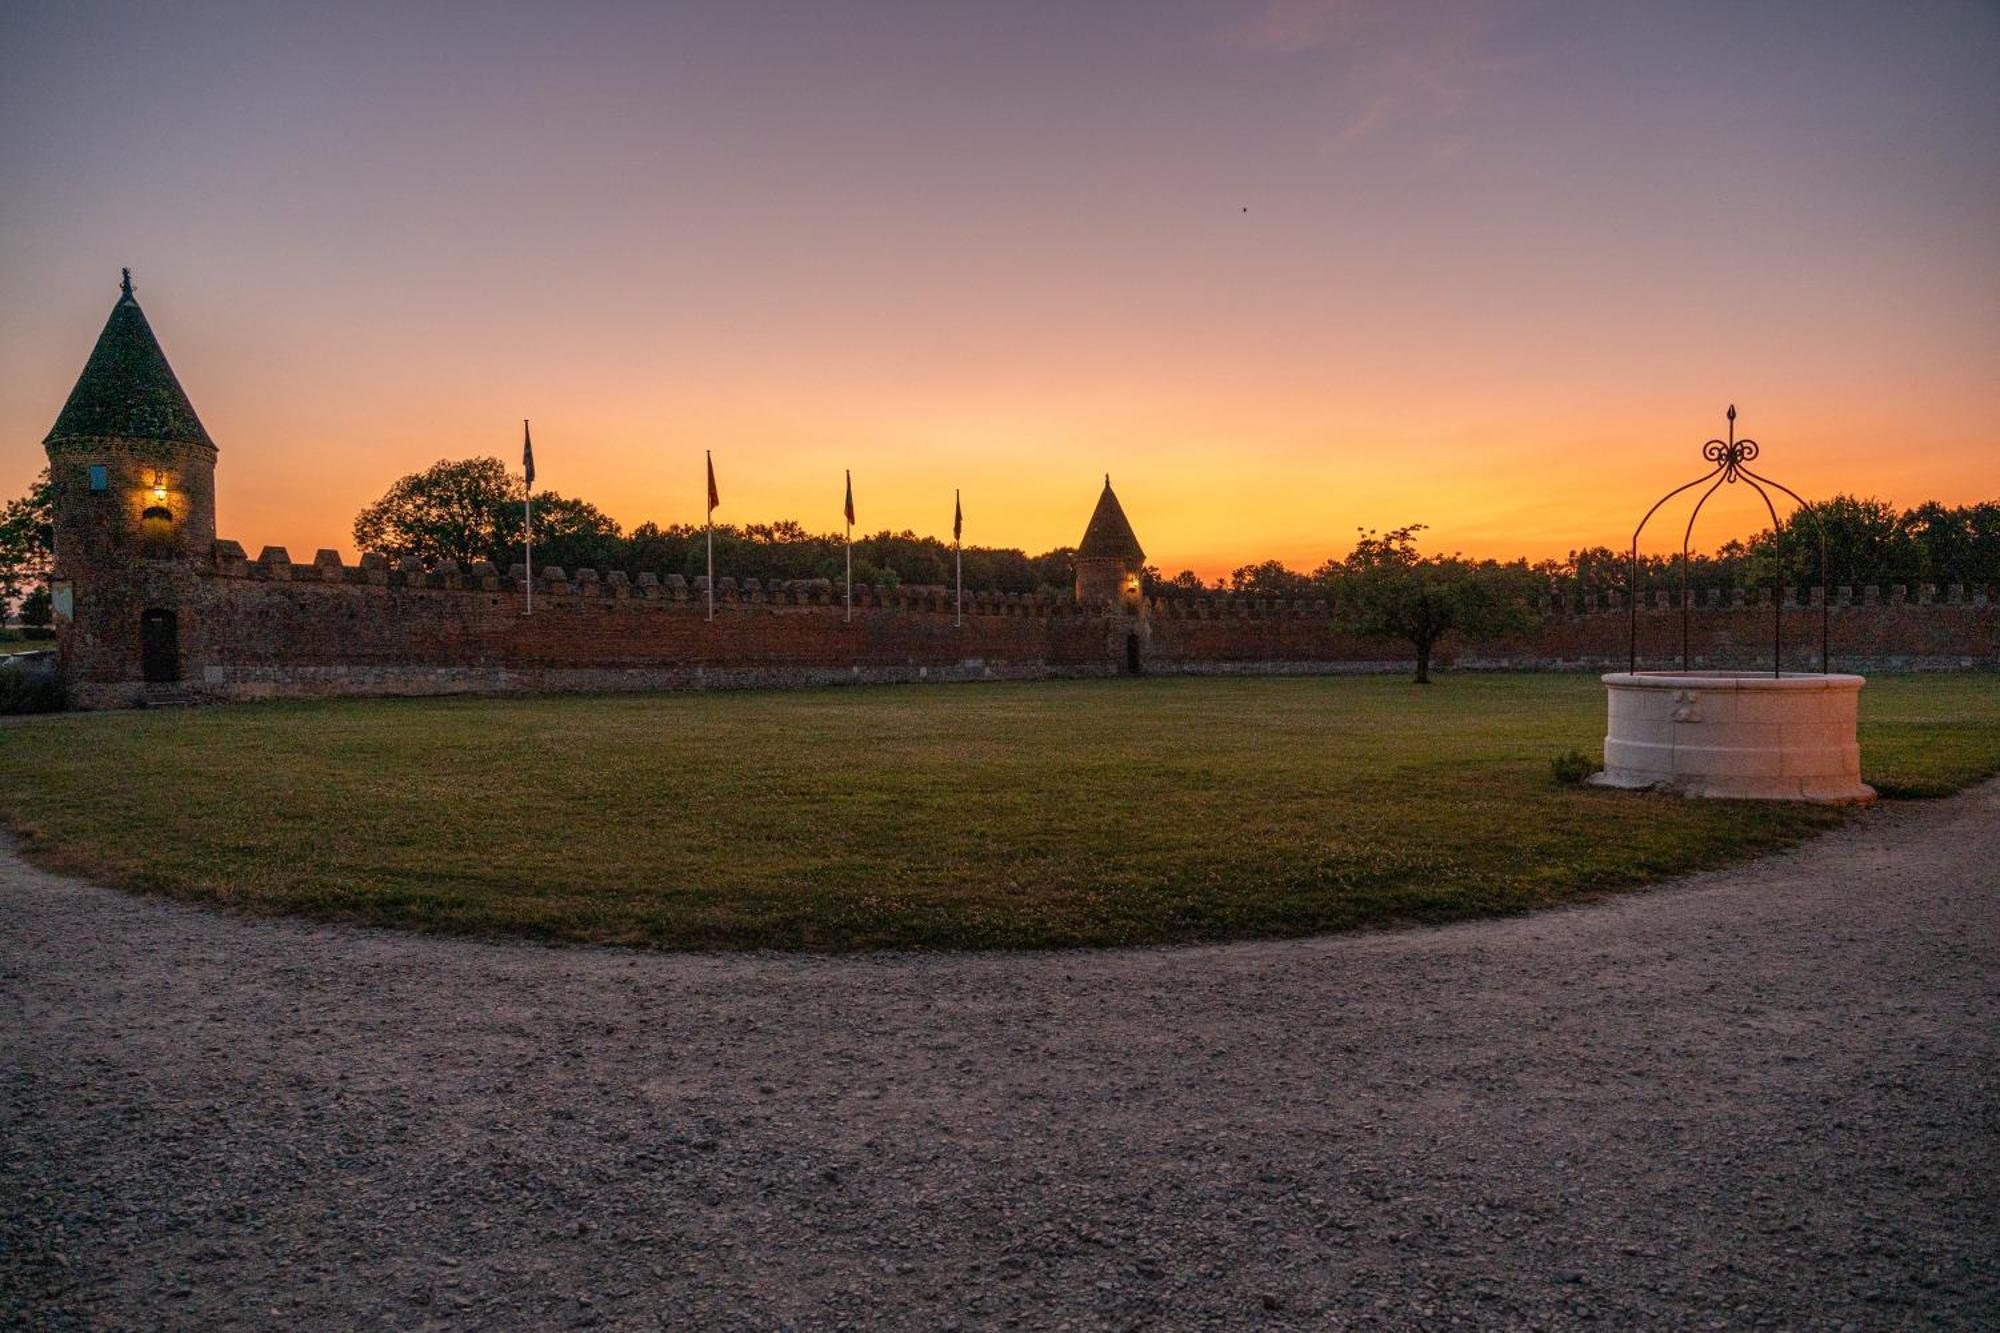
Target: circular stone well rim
1728, 680
1705, 734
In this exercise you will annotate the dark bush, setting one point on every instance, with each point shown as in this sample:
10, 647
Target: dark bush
30, 692
1573, 767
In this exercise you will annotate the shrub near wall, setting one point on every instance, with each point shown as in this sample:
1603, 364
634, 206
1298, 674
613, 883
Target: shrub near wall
23, 691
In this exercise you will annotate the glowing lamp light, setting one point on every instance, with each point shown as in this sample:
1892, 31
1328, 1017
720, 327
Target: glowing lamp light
159, 486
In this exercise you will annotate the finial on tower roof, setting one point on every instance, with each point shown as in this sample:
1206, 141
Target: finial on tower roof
125, 282
1107, 480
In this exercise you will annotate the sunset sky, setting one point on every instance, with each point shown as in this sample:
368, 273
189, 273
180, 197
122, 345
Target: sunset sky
1282, 269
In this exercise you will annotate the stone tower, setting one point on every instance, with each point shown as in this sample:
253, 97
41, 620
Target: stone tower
1109, 558
134, 485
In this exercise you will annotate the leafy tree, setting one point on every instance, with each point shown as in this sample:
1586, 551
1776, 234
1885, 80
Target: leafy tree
474, 509
1866, 542
1386, 588
1982, 544
571, 534
27, 548
1184, 584
449, 511
1004, 569
1055, 569
1269, 578
675, 549
912, 559
1960, 545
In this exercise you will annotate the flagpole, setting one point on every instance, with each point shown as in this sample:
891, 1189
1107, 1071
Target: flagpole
711, 532
958, 564
528, 514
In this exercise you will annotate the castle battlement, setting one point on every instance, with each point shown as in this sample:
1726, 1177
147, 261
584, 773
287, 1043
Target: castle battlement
146, 597
1557, 603
275, 565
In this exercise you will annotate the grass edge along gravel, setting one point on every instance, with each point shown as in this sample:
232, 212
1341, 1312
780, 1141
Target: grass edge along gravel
1055, 814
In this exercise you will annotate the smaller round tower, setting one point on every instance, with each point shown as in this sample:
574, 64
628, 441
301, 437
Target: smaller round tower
134, 487
1109, 559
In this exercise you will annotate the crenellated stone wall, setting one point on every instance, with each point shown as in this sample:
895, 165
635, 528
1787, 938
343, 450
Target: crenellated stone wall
149, 606
271, 627
1869, 629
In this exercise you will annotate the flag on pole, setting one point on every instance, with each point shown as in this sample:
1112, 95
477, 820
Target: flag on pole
713, 501
528, 512
957, 517
850, 499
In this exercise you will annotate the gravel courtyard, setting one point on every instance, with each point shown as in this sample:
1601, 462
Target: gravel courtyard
1760, 1097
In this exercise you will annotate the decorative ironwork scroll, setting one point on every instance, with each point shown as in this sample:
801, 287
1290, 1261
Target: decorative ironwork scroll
1731, 459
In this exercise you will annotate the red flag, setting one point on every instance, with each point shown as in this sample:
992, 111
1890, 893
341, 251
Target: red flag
713, 498
957, 517
850, 499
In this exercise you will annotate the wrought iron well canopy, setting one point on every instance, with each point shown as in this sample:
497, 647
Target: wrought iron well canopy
1731, 459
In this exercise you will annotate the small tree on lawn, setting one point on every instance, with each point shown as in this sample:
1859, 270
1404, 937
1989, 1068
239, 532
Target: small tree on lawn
1386, 588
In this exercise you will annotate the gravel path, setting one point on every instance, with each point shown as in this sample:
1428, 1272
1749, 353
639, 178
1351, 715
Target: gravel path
1762, 1097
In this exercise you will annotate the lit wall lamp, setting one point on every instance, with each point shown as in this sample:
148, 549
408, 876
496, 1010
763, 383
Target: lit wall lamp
160, 486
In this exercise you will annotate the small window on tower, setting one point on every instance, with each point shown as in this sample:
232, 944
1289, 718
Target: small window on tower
100, 477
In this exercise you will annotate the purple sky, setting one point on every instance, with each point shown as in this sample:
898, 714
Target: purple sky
1502, 265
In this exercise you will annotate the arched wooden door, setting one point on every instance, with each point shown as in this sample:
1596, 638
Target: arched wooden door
159, 645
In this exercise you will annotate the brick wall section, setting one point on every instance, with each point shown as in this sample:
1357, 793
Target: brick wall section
1883, 630
269, 628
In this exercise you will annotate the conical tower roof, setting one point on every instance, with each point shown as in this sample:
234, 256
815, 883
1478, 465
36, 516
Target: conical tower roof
127, 388
1110, 533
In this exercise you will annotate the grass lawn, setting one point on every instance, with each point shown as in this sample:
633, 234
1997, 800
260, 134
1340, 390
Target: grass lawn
1064, 813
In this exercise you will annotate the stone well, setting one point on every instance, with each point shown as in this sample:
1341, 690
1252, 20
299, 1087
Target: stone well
1740, 734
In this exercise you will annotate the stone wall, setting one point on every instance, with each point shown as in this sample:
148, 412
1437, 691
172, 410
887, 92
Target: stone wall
1869, 630
268, 628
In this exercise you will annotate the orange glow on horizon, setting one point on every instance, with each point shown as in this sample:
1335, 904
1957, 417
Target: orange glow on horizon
1283, 270
1214, 473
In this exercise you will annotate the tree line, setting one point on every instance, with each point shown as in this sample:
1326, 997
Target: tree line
474, 509
1868, 541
